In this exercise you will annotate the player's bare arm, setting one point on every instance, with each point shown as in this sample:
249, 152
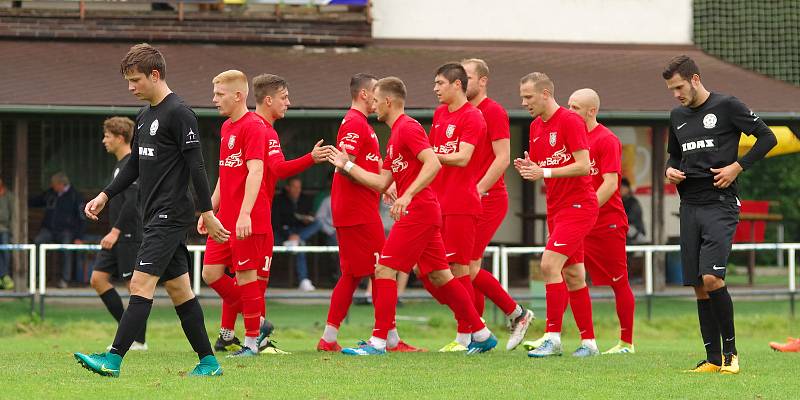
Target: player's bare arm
377, 182
460, 158
502, 157
255, 172
430, 167
607, 188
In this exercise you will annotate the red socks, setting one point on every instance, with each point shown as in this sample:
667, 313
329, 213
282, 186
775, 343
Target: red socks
262, 286
581, 305
252, 300
460, 302
341, 298
433, 290
556, 298
488, 285
384, 298
230, 293
626, 305
479, 301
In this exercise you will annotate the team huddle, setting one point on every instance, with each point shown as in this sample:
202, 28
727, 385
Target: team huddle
447, 196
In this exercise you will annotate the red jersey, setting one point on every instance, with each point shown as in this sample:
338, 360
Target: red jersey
497, 128
456, 187
242, 141
352, 203
551, 146
407, 140
605, 154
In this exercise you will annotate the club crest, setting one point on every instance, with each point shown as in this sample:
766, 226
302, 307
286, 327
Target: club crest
449, 132
231, 142
154, 128
553, 137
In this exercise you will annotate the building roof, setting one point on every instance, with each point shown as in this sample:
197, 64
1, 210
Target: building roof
627, 77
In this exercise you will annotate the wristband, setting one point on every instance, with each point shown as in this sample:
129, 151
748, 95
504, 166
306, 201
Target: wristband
547, 172
348, 166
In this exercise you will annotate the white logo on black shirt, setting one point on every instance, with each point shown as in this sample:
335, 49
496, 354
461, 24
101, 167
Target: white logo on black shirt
154, 128
698, 144
191, 137
147, 152
709, 121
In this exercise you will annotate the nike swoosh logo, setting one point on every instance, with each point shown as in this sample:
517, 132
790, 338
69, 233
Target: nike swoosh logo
559, 244
581, 332
680, 126
617, 278
127, 275
104, 369
139, 127
450, 254
386, 256
716, 268
535, 139
730, 340
144, 263
707, 344
550, 324
243, 262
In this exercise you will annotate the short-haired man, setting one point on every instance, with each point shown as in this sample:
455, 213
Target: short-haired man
604, 247
559, 153
165, 155
119, 246
703, 162
240, 202
359, 228
415, 239
493, 157
456, 131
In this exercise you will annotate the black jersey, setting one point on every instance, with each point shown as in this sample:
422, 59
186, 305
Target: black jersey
708, 137
124, 211
165, 153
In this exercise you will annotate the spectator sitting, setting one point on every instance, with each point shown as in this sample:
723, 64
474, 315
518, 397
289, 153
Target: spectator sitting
636, 231
63, 219
293, 224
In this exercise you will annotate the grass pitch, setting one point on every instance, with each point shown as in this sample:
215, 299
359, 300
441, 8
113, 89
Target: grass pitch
36, 358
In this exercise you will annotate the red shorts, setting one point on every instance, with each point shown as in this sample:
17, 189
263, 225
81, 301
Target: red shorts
254, 252
458, 232
495, 207
604, 254
412, 244
568, 227
359, 248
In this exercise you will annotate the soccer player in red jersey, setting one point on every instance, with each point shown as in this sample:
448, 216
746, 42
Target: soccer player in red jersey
359, 228
240, 203
272, 101
458, 128
559, 153
604, 247
493, 157
415, 239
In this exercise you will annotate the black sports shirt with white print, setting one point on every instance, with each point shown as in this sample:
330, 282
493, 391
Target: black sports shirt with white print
708, 137
165, 152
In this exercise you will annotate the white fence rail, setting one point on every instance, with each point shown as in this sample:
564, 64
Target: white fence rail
499, 256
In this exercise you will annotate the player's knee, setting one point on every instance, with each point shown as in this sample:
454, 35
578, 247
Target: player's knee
711, 283
440, 277
210, 274
384, 272
97, 282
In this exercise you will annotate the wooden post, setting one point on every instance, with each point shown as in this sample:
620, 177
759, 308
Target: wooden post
657, 211
82, 9
19, 229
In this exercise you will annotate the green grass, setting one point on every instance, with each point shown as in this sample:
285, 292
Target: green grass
36, 358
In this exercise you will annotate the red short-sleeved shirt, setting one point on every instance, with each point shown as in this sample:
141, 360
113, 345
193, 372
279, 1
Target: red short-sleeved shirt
407, 140
551, 146
352, 203
605, 153
497, 128
241, 141
456, 186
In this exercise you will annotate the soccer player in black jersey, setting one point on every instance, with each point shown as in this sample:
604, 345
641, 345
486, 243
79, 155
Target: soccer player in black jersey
165, 154
120, 244
703, 163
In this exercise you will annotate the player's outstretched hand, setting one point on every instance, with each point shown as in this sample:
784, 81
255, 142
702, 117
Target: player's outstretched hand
528, 169
723, 177
338, 157
399, 207
320, 153
676, 176
522, 162
244, 226
215, 229
390, 195
93, 207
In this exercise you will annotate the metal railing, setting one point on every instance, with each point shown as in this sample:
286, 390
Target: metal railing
31, 293
499, 256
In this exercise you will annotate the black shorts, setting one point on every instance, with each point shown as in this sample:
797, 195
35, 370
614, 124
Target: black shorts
163, 252
119, 260
706, 238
